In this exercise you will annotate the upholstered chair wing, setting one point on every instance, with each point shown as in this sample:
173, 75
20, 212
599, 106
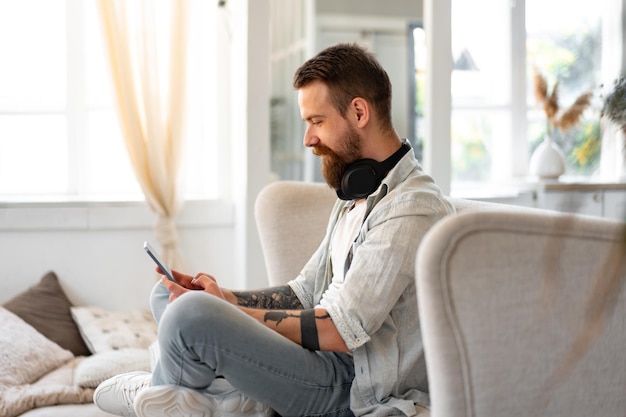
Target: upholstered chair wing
291, 220
504, 299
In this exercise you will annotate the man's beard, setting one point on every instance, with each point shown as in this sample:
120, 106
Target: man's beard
335, 165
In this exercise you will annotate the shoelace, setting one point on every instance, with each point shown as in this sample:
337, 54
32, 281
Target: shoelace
130, 392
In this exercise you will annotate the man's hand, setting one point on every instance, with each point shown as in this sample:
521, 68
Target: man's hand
184, 283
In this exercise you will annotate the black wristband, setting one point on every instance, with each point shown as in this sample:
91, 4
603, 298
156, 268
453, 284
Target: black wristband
308, 328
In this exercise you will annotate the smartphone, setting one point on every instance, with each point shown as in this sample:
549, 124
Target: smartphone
157, 259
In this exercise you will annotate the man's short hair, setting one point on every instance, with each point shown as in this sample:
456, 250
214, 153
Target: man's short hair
350, 71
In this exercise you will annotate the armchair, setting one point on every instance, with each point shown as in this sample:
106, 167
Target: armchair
503, 299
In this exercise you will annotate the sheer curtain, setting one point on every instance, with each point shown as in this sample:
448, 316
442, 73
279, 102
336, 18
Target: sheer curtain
146, 45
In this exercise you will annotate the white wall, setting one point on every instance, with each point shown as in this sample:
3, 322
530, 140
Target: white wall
96, 248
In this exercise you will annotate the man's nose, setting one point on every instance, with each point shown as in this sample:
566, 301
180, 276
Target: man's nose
309, 138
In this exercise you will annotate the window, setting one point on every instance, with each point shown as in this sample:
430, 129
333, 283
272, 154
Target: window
495, 121
59, 134
569, 51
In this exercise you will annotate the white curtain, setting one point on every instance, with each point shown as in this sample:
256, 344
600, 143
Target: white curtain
146, 45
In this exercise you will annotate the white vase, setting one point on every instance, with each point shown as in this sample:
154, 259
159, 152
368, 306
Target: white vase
547, 162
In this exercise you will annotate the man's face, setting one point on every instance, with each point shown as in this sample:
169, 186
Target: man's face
330, 135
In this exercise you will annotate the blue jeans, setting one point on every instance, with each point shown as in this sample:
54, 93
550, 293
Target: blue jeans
202, 337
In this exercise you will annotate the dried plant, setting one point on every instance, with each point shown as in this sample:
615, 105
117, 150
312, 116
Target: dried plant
562, 119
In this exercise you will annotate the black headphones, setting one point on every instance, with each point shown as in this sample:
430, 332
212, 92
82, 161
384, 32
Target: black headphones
364, 176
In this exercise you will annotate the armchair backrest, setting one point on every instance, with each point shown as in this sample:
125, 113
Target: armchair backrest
503, 298
291, 219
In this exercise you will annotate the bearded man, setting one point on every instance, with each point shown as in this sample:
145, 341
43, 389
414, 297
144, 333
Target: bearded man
343, 337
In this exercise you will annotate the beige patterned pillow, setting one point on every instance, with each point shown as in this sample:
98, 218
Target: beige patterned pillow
26, 354
105, 330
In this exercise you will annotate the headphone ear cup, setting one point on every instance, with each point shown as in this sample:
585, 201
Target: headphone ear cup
364, 176
361, 179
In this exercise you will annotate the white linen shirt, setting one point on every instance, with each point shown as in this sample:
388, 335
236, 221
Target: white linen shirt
375, 310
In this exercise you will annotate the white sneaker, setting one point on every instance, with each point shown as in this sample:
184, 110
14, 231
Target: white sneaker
220, 399
117, 395
173, 400
230, 402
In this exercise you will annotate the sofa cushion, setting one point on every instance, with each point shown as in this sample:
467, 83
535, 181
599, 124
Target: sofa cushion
25, 354
45, 306
104, 330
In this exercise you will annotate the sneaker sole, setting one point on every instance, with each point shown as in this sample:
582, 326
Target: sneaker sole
163, 401
238, 406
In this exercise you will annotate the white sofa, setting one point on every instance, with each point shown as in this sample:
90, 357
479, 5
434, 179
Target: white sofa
479, 274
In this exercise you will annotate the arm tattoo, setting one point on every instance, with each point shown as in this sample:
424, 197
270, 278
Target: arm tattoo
275, 298
308, 325
277, 316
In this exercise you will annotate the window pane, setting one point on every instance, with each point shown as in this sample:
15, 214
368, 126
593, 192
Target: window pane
33, 154
481, 91
481, 52
33, 50
418, 99
203, 167
97, 79
478, 140
567, 50
109, 168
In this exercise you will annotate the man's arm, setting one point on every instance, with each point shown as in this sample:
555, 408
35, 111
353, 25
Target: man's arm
278, 308
312, 328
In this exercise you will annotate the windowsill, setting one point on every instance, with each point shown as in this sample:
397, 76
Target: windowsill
566, 183
524, 190
106, 215
45, 199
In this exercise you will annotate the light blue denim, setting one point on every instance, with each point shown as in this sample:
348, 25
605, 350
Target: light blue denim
202, 337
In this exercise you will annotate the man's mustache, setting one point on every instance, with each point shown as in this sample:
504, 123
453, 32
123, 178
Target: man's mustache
321, 150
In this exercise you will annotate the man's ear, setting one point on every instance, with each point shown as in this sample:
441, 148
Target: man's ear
361, 110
